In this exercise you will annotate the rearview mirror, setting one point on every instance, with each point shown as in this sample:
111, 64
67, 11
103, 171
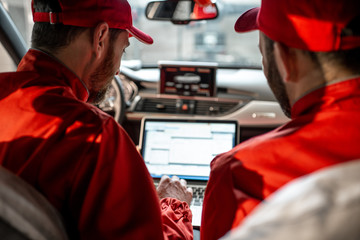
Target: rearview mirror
180, 12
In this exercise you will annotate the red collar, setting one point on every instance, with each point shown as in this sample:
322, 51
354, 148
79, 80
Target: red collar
327, 97
47, 65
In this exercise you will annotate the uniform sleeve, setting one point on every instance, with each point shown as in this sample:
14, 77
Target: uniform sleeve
111, 194
226, 202
118, 197
177, 219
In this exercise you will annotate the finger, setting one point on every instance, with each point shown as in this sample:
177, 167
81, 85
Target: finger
183, 182
164, 179
189, 195
175, 178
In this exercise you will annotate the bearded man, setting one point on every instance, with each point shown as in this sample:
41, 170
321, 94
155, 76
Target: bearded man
311, 59
78, 157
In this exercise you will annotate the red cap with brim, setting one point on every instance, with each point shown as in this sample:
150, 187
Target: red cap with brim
247, 21
88, 13
140, 35
316, 25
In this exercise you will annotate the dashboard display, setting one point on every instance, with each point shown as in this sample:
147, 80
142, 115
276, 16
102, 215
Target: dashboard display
188, 78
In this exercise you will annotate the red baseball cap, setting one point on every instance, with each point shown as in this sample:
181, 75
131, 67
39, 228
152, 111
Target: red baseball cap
88, 13
314, 25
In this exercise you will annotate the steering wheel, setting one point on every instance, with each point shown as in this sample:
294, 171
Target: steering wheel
114, 103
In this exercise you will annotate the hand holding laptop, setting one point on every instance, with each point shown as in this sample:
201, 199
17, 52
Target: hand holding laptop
174, 188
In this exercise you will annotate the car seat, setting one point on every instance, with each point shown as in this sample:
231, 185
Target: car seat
24, 213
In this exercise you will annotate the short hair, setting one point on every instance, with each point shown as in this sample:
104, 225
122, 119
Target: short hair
53, 37
346, 59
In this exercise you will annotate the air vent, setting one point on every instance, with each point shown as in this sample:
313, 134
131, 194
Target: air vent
156, 105
213, 108
182, 106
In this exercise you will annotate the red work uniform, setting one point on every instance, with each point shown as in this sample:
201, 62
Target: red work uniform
79, 157
324, 130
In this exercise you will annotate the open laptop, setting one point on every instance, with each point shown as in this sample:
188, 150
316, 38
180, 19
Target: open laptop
185, 148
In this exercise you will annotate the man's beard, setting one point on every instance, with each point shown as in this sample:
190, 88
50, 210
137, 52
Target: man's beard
101, 79
277, 86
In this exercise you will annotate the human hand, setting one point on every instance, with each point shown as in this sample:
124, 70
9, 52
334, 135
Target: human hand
174, 188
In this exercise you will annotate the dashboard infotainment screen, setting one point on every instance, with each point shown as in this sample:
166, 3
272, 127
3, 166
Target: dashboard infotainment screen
188, 78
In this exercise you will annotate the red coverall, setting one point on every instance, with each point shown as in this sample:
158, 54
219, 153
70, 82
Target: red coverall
80, 158
324, 130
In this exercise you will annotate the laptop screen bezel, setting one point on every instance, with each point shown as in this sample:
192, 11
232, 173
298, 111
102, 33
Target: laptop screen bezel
181, 120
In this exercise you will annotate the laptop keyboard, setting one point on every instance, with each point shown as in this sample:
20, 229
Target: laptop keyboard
197, 203
198, 195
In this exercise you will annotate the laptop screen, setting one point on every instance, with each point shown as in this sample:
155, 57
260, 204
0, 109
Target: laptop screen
185, 147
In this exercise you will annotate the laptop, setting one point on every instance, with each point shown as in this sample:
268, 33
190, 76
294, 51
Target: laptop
185, 148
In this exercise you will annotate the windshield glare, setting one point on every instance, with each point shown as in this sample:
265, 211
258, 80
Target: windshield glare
205, 41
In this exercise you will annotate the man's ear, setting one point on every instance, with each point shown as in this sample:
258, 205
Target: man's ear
100, 39
285, 60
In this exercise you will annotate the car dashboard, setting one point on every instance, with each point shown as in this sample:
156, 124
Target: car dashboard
241, 94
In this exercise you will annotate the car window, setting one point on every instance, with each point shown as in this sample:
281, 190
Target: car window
213, 40
6, 63
20, 12
205, 41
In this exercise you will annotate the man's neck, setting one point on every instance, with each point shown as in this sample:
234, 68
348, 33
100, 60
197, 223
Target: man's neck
320, 84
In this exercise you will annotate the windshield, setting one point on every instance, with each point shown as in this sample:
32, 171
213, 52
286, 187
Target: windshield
205, 41
210, 41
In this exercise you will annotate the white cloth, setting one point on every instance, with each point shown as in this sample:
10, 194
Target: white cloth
322, 205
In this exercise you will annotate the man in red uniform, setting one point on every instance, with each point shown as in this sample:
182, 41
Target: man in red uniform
311, 58
77, 156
